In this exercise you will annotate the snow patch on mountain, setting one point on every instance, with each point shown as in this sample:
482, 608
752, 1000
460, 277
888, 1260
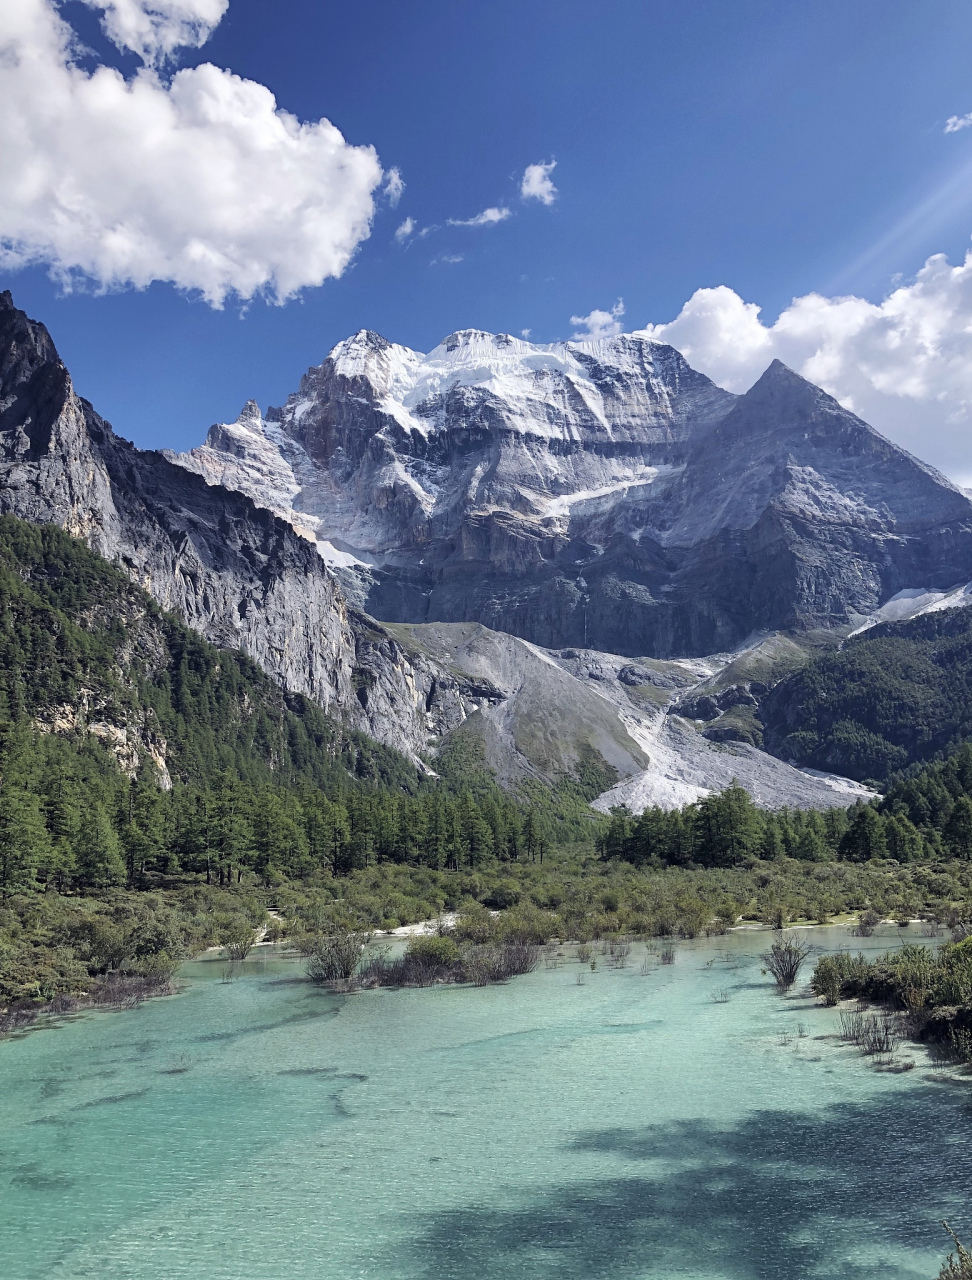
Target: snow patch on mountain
561, 506
683, 766
914, 602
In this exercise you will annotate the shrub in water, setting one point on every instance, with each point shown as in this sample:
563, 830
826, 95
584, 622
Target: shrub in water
828, 980
334, 957
785, 959
958, 1265
494, 963
433, 950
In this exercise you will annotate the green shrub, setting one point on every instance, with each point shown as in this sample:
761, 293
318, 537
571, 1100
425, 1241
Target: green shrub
434, 950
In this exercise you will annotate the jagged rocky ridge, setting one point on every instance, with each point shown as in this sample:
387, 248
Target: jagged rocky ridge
231, 569
243, 577
600, 494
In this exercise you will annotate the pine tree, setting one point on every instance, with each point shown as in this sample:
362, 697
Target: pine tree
234, 844
24, 842
771, 843
904, 839
278, 836
615, 841
476, 836
958, 829
326, 826
865, 837
811, 846
97, 850
531, 834
143, 832
435, 852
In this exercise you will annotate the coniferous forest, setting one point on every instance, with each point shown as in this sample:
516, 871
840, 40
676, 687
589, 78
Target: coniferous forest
158, 795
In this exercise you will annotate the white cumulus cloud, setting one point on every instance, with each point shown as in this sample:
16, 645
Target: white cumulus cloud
154, 29
202, 181
405, 230
954, 123
488, 217
600, 324
903, 364
536, 183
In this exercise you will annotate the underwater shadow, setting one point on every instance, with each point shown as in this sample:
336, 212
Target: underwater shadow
781, 1196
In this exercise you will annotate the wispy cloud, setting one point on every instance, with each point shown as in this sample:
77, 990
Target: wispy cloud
488, 218
394, 186
536, 183
599, 324
447, 258
954, 123
525, 333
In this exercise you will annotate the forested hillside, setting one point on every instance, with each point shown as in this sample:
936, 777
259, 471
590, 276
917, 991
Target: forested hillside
132, 749
157, 794
897, 694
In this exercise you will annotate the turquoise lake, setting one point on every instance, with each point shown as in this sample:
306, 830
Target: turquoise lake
625, 1126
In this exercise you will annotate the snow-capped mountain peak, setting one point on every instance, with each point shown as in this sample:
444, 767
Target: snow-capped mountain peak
599, 493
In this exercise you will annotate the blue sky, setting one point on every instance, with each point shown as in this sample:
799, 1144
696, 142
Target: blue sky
775, 148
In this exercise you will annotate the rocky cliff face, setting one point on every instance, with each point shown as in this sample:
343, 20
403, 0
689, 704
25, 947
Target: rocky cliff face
234, 571
600, 494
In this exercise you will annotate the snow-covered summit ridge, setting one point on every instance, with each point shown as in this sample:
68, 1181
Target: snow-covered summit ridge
915, 602
596, 493
472, 357
611, 381
383, 445
255, 457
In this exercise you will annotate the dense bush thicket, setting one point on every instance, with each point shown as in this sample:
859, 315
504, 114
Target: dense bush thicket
53, 945
931, 990
45, 947
898, 694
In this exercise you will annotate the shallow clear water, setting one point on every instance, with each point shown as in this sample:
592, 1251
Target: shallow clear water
628, 1127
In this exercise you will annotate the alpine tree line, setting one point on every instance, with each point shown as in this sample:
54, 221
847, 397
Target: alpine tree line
132, 750
73, 820
924, 817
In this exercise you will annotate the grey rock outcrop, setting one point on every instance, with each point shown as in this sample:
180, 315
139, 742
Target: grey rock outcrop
232, 570
600, 494
560, 494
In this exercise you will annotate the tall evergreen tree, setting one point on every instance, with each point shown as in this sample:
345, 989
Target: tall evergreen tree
903, 839
97, 850
958, 829
24, 842
865, 837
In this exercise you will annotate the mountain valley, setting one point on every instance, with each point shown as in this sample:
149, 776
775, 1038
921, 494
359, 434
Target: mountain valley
586, 558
